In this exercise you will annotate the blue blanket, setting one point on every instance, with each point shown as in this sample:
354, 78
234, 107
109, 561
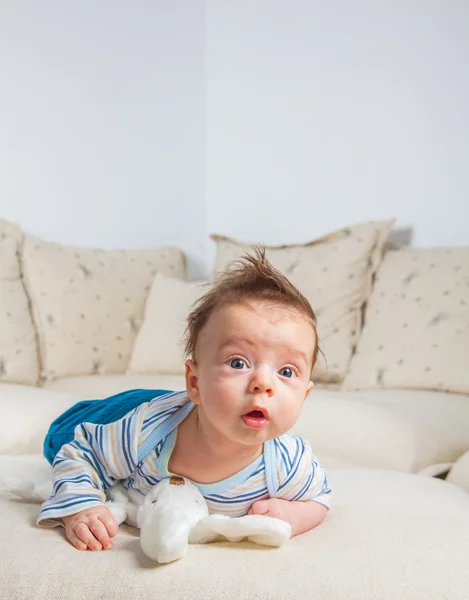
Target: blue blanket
93, 411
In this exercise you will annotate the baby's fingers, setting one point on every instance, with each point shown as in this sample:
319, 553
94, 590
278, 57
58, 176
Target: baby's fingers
83, 533
110, 523
73, 539
100, 532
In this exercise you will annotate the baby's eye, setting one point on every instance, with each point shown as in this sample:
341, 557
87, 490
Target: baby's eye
287, 372
237, 363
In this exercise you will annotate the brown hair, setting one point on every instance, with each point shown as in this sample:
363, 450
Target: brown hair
252, 277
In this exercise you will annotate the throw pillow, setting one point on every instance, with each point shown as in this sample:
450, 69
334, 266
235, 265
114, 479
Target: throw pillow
416, 332
19, 361
158, 347
88, 303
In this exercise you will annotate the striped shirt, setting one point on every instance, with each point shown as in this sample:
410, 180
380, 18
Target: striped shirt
135, 450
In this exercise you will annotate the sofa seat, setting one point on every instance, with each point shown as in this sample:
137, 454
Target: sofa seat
389, 535
101, 386
405, 430
459, 474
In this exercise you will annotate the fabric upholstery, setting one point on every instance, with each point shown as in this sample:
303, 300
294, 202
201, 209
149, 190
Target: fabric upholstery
88, 303
406, 430
159, 347
416, 332
400, 430
101, 386
459, 473
26, 414
19, 360
388, 535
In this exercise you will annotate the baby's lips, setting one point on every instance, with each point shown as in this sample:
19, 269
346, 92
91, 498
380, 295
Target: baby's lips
259, 412
255, 420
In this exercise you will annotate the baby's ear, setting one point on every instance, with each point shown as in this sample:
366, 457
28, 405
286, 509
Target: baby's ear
192, 381
309, 387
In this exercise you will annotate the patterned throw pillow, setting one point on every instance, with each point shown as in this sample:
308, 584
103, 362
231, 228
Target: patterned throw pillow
416, 332
18, 349
335, 273
88, 303
158, 347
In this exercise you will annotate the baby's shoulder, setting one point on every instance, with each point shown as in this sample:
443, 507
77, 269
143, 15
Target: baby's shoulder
291, 460
290, 441
163, 406
290, 448
166, 402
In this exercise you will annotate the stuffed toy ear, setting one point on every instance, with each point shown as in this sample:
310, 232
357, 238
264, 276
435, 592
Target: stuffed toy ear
258, 529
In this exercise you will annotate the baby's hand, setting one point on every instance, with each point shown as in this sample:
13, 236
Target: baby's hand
272, 507
91, 528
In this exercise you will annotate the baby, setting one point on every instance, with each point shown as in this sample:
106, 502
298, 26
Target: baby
252, 344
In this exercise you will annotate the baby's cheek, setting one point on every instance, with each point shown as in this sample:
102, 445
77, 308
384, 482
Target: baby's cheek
290, 411
211, 383
222, 396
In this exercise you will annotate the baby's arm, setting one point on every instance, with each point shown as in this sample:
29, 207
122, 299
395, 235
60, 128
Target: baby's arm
303, 495
98, 456
301, 515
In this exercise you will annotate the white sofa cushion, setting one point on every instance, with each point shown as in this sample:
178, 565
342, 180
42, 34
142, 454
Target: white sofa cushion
459, 473
88, 303
159, 344
387, 536
102, 386
335, 274
413, 431
404, 430
416, 332
19, 361
26, 414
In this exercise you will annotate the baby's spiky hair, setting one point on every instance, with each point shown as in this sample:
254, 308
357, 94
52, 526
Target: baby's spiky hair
252, 277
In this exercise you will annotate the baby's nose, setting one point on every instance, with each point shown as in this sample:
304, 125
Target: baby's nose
262, 382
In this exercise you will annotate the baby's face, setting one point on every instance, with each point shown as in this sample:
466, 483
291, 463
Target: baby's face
253, 371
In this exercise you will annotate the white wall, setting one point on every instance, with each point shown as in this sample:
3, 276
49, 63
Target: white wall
321, 114
101, 121
148, 122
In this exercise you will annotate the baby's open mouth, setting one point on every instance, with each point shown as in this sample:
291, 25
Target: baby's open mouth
256, 419
257, 414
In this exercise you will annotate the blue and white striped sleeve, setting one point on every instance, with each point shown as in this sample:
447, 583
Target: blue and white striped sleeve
300, 476
98, 456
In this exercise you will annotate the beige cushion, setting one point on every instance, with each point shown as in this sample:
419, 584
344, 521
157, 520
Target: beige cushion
335, 273
404, 430
18, 348
102, 386
459, 473
88, 303
30, 466
26, 414
416, 332
159, 344
388, 536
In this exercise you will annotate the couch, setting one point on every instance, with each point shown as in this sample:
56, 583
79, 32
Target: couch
389, 415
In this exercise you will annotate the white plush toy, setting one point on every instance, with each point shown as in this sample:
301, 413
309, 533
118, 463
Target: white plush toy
172, 515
